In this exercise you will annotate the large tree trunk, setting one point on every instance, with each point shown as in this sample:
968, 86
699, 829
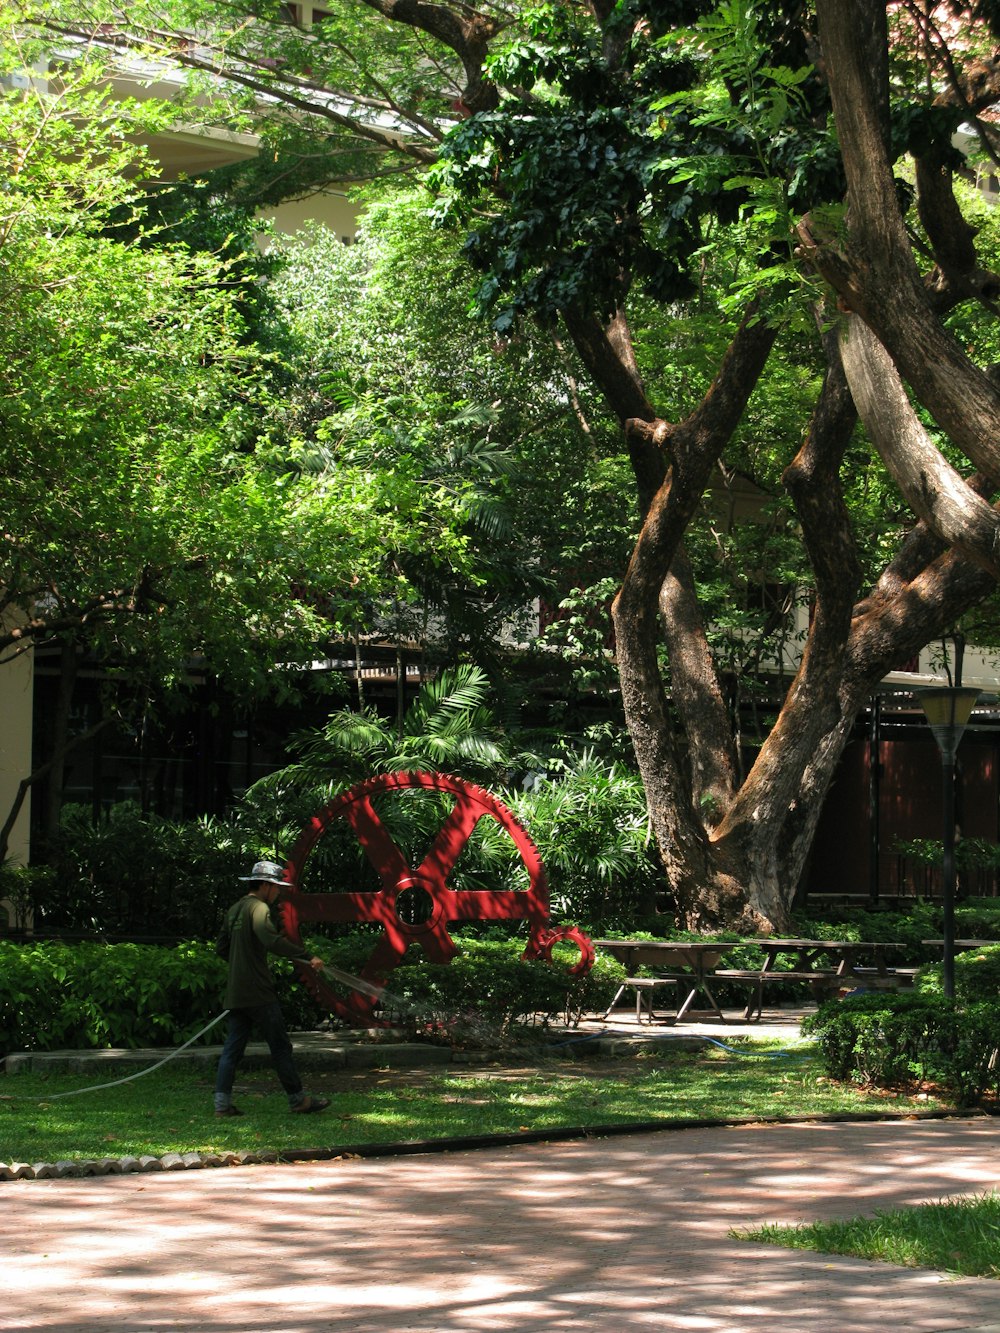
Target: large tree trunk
707, 883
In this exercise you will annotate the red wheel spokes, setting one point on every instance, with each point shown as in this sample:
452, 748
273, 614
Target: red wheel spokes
395, 876
383, 854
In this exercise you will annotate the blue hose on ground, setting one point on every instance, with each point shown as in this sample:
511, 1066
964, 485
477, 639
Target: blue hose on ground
730, 1050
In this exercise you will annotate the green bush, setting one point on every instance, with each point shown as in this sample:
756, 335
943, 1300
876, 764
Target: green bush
90, 995
134, 873
487, 988
977, 976
87, 995
920, 921
876, 1040
978, 919
23, 887
894, 1040
970, 1053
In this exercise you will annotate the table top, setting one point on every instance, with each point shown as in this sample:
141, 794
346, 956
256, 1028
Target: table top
963, 944
772, 942
696, 954
677, 946
765, 941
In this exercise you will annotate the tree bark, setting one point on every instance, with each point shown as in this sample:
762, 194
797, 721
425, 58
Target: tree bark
874, 270
770, 825
708, 890
931, 486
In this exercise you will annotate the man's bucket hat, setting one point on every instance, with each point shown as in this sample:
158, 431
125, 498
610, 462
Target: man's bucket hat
266, 872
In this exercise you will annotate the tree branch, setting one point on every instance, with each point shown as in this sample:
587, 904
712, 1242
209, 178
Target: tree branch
874, 272
930, 485
25, 785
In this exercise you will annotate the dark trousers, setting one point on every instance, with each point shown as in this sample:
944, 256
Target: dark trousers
269, 1022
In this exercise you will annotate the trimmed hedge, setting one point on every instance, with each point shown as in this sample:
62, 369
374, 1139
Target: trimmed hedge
488, 987
977, 976
896, 1040
87, 995
83, 996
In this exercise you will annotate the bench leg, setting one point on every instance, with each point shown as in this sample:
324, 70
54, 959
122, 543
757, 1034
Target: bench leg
698, 986
645, 1000
618, 994
755, 1003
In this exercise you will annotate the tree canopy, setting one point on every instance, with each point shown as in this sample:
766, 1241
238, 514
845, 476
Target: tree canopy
786, 176
151, 524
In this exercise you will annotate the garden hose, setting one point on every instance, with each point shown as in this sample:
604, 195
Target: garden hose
128, 1079
377, 993
355, 983
700, 1036
334, 972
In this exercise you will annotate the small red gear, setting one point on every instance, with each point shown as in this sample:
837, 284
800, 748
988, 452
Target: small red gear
396, 877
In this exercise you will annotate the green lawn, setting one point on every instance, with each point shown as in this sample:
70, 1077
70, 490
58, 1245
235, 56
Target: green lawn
959, 1236
171, 1109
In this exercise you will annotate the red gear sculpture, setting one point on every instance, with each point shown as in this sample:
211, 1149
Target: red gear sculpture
397, 878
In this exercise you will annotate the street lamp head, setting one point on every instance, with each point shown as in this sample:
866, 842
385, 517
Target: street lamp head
948, 709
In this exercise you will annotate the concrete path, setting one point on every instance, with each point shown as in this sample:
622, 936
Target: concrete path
614, 1235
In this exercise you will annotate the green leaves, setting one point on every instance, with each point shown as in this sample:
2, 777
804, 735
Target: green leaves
143, 519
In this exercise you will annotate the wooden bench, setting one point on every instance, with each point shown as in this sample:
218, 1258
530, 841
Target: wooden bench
645, 989
893, 978
824, 982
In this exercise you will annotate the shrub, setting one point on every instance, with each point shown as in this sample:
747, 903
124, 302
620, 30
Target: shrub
488, 987
88, 995
892, 1040
23, 888
978, 919
591, 826
92, 995
134, 873
878, 1040
977, 976
969, 1049
920, 921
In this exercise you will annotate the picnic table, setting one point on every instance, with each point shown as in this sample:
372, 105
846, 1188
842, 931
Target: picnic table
677, 963
841, 955
962, 944
828, 966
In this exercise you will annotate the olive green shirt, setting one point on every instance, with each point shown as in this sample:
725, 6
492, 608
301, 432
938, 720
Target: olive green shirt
253, 936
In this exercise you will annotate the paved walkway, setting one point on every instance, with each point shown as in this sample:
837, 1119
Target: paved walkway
597, 1236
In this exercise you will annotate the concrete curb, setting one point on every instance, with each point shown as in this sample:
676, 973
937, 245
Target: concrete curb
313, 1054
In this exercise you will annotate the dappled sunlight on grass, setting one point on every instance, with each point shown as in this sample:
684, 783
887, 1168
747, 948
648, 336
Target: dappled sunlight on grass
171, 1110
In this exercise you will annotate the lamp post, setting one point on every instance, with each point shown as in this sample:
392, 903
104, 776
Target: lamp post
948, 710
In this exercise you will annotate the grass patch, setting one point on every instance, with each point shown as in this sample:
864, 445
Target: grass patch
957, 1236
171, 1109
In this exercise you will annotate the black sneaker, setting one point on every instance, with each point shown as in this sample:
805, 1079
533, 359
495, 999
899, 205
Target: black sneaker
226, 1111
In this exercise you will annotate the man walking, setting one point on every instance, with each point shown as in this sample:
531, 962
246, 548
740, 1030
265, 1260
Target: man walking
250, 995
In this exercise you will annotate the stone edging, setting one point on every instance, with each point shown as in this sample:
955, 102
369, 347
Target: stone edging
193, 1161
120, 1166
